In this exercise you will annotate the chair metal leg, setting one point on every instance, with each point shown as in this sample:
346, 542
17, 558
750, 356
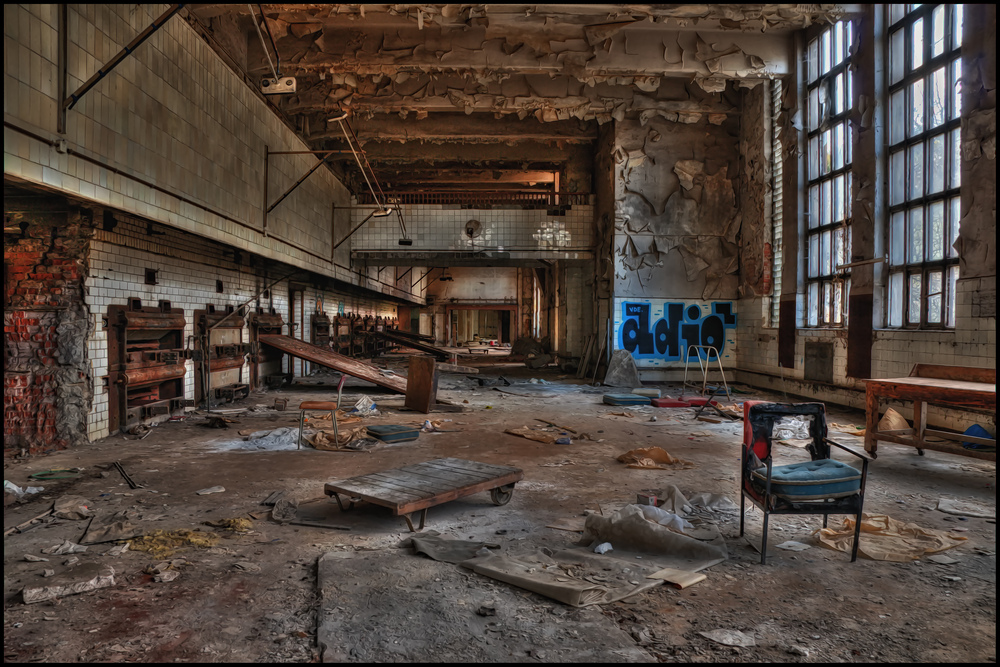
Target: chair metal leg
763, 540
826, 517
302, 418
857, 537
743, 510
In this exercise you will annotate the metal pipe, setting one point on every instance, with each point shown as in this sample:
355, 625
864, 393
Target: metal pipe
244, 304
277, 56
380, 214
73, 98
262, 43
298, 183
350, 145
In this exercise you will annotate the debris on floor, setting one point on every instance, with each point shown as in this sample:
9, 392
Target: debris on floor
965, 508
892, 421
443, 548
884, 538
792, 545
544, 436
235, 524
651, 457
111, 527
729, 637
66, 547
75, 508
331, 441
678, 578
161, 544
82, 579
211, 489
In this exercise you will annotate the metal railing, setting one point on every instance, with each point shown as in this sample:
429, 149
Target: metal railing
481, 199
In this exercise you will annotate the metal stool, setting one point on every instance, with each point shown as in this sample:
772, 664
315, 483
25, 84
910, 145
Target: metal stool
326, 406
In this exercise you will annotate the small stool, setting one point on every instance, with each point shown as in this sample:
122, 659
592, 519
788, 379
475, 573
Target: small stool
326, 406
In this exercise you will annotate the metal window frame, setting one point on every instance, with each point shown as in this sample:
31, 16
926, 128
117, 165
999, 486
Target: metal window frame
927, 67
842, 275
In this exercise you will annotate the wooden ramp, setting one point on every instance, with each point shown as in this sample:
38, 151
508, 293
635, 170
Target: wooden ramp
392, 336
338, 362
416, 487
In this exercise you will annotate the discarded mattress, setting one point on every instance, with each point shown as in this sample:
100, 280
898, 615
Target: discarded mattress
393, 432
626, 399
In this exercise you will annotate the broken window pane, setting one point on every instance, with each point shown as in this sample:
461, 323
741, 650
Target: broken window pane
936, 165
937, 31
897, 239
824, 254
915, 227
935, 284
897, 177
956, 80
955, 169
824, 204
916, 124
913, 305
813, 256
955, 217
838, 198
950, 300
939, 99
838, 301
956, 31
827, 302
935, 231
813, 60
813, 213
896, 59
917, 44
813, 306
838, 146
916, 165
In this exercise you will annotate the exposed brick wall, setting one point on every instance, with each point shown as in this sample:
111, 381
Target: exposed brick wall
47, 384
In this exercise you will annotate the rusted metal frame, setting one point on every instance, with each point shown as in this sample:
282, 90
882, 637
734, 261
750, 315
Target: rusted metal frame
70, 101
61, 57
398, 278
351, 233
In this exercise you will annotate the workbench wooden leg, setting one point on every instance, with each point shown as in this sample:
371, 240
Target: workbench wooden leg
871, 422
919, 424
409, 521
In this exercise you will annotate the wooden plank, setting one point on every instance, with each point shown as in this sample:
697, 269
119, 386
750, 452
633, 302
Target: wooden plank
454, 368
962, 373
338, 362
968, 395
466, 465
394, 487
443, 478
585, 360
446, 470
467, 491
416, 482
368, 490
961, 437
421, 384
411, 343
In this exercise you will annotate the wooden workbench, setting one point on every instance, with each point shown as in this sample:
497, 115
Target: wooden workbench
417, 487
958, 387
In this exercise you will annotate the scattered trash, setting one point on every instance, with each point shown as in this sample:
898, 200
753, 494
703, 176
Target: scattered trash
572, 524
118, 550
274, 497
236, 525
651, 457
87, 577
111, 528
486, 610
10, 487
125, 476
977, 431
795, 649
365, 407
531, 434
164, 577
246, 566
793, 427
603, 548
441, 548
48, 573
729, 637
646, 498
331, 441
941, 559
280, 404
35, 559
884, 538
677, 578
285, 509
563, 441
965, 508
647, 392
161, 544
218, 422
211, 489
66, 547
892, 421
792, 545
75, 508
57, 473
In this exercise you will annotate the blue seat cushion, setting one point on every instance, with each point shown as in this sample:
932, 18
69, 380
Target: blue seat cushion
811, 480
626, 399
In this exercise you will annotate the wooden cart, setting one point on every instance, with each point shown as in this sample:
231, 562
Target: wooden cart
415, 488
948, 386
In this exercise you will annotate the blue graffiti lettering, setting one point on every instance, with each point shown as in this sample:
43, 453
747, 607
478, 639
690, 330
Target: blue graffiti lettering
671, 335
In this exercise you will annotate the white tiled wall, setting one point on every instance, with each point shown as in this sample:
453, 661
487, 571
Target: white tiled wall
188, 268
171, 113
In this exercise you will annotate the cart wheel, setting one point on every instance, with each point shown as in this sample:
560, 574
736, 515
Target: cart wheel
920, 452
502, 494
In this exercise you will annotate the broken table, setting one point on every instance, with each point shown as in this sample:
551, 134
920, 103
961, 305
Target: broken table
418, 487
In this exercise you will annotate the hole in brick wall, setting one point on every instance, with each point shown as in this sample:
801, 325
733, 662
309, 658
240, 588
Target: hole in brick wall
218, 286
109, 221
151, 276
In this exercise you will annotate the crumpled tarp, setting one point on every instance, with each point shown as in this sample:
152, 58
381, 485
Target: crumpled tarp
330, 442
445, 549
885, 538
111, 527
72, 507
630, 531
572, 576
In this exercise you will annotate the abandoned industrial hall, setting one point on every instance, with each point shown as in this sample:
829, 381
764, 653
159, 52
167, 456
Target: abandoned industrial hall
499, 333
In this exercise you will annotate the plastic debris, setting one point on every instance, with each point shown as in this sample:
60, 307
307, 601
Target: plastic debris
729, 637
603, 548
66, 547
18, 491
211, 489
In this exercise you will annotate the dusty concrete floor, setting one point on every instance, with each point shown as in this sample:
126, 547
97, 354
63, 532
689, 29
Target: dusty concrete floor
390, 605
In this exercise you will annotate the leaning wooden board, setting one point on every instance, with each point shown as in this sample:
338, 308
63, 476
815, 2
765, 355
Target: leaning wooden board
417, 487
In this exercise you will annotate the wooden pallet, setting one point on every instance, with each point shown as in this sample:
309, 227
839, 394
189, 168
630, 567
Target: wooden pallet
417, 487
